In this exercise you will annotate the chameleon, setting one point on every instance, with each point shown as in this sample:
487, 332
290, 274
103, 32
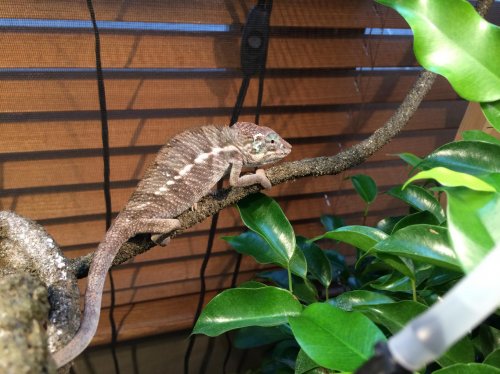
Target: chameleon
186, 168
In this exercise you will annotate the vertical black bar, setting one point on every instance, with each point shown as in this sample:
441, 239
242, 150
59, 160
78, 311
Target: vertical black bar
106, 167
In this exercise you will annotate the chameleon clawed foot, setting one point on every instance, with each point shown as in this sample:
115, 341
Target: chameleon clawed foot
262, 178
156, 238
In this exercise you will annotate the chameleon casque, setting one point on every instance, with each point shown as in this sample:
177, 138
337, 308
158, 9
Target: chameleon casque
185, 170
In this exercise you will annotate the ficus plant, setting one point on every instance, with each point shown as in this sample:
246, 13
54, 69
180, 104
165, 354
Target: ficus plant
317, 312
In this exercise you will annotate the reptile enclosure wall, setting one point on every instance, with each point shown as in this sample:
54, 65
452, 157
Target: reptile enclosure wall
332, 78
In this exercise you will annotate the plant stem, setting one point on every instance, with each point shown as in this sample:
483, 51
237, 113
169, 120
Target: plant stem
365, 214
290, 287
413, 289
326, 293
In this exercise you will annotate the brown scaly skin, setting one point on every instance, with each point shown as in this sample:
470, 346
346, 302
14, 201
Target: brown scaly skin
184, 171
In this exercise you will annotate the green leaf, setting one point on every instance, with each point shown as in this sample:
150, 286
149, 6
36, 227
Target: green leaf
447, 43
256, 336
410, 159
361, 237
473, 222
479, 135
420, 199
304, 363
364, 238
365, 187
395, 316
263, 215
426, 243
303, 289
493, 358
334, 338
252, 284
318, 264
450, 178
465, 156
243, 307
418, 218
387, 224
468, 369
491, 111
392, 283
348, 300
331, 222
252, 244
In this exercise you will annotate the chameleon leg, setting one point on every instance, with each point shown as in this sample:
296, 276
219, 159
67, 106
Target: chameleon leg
159, 226
246, 180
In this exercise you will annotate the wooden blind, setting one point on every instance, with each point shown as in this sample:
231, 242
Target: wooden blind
332, 79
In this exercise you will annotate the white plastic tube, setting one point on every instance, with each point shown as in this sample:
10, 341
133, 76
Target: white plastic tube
464, 307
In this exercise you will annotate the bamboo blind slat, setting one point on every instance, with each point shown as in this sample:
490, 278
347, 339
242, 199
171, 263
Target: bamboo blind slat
123, 94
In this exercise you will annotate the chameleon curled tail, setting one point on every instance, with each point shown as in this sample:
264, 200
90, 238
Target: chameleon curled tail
184, 171
100, 264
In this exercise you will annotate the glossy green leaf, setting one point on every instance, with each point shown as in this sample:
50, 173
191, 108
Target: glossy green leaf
337, 263
395, 316
451, 39
493, 358
252, 244
252, 284
334, 338
468, 369
256, 336
491, 111
318, 264
401, 264
393, 283
451, 178
364, 238
478, 135
242, 307
361, 237
420, 199
426, 243
410, 159
348, 300
331, 222
387, 224
365, 186
303, 289
263, 215
467, 157
418, 218
473, 222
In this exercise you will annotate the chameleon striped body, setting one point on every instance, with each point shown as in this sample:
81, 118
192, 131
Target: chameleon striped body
184, 171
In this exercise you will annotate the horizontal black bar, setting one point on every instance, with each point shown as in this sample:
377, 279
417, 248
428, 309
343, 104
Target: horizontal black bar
174, 73
88, 115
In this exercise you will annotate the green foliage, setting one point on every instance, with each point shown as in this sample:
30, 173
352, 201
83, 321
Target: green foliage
243, 307
405, 263
365, 187
321, 332
492, 113
451, 39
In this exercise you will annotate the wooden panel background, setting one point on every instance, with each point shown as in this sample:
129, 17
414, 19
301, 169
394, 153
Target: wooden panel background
330, 83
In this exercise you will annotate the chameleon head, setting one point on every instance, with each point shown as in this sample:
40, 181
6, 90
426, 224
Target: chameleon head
260, 145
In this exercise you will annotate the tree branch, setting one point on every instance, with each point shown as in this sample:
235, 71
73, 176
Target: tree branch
284, 172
